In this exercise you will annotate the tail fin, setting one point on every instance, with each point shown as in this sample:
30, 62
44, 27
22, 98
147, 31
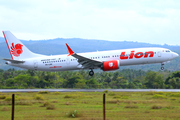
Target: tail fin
17, 50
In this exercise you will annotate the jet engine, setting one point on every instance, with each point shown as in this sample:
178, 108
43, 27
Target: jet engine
110, 65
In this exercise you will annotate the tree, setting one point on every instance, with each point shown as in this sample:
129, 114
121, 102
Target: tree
137, 83
74, 79
122, 83
33, 81
10, 83
22, 80
131, 85
31, 72
173, 80
6, 75
150, 78
154, 80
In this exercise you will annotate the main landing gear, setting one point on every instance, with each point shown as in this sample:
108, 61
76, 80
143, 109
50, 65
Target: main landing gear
91, 73
162, 68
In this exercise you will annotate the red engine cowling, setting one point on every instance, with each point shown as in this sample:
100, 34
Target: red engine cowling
111, 65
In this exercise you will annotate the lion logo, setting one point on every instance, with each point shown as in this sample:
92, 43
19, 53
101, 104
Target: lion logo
17, 49
110, 64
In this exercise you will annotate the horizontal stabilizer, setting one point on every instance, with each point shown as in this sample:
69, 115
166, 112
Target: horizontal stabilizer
14, 61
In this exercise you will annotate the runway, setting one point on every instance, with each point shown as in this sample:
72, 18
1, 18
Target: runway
88, 90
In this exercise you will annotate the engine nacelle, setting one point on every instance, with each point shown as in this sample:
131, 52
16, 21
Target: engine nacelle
110, 65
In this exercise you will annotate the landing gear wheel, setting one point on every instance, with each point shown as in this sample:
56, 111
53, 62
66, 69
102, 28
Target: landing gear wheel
162, 68
91, 73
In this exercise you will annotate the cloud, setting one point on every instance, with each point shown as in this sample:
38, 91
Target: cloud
152, 21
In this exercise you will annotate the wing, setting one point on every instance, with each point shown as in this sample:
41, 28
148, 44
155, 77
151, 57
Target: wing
84, 61
14, 61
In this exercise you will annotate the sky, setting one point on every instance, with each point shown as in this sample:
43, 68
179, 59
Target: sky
148, 21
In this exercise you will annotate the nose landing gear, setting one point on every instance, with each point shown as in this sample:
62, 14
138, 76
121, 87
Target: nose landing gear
91, 73
162, 68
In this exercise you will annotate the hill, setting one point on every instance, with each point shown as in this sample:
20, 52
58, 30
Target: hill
57, 46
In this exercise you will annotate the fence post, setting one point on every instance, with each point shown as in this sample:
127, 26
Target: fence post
104, 113
12, 117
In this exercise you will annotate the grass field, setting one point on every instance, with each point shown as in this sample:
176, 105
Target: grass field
88, 106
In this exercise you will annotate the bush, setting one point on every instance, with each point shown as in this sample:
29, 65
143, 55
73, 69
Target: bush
113, 101
45, 104
131, 106
5, 108
50, 107
173, 98
154, 92
56, 93
70, 96
2, 96
73, 114
157, 96
68, 103
160, 107
160, 93
111, 93
156, 107
38, 97
117, 96
8, 99
24, 98
43, 92
151, 93
106, 91
175, 94
54, 101
23, 103
124, 97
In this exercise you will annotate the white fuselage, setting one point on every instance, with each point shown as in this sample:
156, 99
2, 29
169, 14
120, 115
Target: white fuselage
125, 56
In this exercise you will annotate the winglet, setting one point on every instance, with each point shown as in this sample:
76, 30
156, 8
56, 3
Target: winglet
69, 50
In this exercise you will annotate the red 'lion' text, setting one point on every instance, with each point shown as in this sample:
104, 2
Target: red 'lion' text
137, 55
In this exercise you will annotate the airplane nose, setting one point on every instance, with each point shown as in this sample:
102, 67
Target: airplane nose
175, 55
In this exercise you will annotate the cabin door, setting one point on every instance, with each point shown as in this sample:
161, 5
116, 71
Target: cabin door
67, 61
35, 64
159, 53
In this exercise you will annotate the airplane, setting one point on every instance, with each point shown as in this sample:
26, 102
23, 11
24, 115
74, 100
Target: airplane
106, 60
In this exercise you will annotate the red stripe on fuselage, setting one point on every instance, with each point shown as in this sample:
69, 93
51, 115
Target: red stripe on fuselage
56, 67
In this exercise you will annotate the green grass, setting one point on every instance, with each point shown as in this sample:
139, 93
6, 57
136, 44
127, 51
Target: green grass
88, 106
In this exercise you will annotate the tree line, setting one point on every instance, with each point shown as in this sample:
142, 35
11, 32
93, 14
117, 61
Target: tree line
122, 79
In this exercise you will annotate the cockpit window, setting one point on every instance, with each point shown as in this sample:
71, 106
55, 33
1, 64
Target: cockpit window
167, 50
